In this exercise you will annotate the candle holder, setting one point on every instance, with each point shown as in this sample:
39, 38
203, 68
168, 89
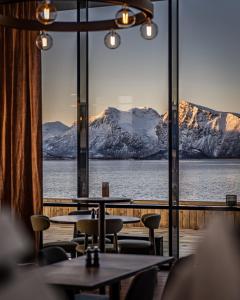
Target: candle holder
105, 189
231, 200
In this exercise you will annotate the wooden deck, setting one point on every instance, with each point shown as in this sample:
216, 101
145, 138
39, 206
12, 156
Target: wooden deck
189, 238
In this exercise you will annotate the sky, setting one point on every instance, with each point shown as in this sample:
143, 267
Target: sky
136, 74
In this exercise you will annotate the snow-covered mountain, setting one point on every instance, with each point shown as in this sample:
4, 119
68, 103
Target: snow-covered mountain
52, 129
208, 133
124, 134
141, 133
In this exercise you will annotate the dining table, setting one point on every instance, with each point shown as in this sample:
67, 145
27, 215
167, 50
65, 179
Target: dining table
113, 268
101, 201
73, 219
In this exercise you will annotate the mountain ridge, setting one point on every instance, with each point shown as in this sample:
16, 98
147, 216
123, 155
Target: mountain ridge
142, 133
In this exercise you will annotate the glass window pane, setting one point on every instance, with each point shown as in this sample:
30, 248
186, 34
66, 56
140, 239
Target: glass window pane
209, 112
59, 76
210, 106
128, 111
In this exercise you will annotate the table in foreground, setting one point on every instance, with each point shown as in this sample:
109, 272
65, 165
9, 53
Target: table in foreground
101, 201
113, 268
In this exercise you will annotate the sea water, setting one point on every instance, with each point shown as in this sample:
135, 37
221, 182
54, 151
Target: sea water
200, 180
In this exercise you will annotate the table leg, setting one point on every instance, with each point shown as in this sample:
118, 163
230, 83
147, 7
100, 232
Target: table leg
101, 226
102, 290
115, 291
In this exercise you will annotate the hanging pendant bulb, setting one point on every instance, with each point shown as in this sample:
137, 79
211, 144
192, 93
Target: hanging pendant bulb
125, 18
46, 12
112, 40
44, 41
149, 30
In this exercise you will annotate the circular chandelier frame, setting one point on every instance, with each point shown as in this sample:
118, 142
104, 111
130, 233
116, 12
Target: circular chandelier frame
145, 8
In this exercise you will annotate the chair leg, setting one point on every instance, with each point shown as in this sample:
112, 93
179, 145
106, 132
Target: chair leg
102, 291
86, 242
152, 240
115, 243
115, 291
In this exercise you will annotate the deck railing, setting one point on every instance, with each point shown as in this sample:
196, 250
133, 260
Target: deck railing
192, 214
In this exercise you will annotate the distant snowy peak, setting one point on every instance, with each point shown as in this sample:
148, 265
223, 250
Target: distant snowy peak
208, 133
124, 134
114, 114
63, 145
52, 129
190, 113
129, 120
196, 116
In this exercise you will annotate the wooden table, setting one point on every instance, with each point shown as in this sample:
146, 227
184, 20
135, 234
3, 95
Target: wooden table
113, 268
73, 219
101, 201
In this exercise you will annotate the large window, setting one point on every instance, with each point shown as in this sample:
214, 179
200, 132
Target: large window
128, 130
113, 107
59, 76
209, 109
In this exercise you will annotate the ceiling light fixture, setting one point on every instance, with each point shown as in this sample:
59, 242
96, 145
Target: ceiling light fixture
46, 14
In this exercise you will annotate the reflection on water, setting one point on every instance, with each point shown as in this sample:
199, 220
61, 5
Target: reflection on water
146, 179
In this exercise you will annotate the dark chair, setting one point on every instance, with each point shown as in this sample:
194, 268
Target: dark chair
90, 228
134, 246
51, 255
176, 273
142, 288
41, 223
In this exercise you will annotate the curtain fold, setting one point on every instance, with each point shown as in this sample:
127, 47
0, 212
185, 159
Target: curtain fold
20, 118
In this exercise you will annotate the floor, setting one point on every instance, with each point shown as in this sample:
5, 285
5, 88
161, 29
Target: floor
189, 238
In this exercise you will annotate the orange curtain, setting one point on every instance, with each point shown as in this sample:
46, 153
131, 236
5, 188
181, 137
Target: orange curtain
20, 117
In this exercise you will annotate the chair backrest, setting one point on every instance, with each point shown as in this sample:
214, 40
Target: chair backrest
178, 271
51, 255
40, 223
151, 221
90, 227
143, 286
79, 212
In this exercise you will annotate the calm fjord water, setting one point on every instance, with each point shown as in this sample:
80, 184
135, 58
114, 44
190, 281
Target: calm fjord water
146, 179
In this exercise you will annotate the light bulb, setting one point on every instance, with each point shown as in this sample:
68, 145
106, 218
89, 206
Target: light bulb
125, 18
44, 41
46, 13
112, 40
149, 30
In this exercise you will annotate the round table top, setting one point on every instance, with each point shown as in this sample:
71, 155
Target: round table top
72, 219
102, 200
